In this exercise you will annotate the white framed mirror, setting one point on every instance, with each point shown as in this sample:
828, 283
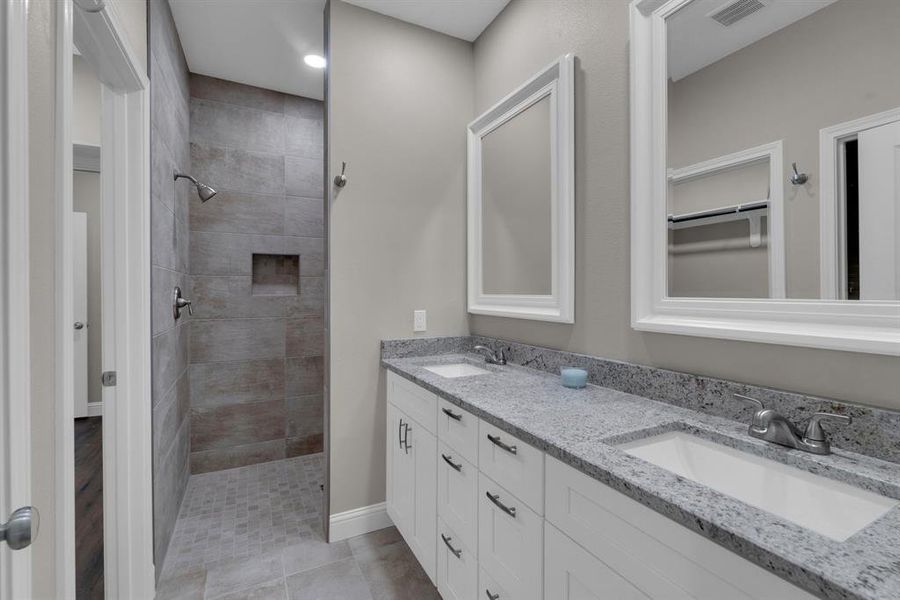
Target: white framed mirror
521, 201
764, 198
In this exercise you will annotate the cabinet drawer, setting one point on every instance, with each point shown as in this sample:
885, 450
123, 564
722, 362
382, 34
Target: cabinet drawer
657, 555
417, 402
572, 573
513, 464
510, 541
488, 588
458, 429
457, 492
457, 568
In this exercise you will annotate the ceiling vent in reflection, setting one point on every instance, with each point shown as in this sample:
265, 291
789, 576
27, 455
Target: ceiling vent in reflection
733, 12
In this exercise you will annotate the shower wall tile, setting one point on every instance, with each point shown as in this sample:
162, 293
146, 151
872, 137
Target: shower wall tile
240, 382
169, 358
220, 90
230, 297
236, 339
303, 376
170, 258
303, 177
238, 170
304, 217
221, 124
304, 137
236, 456
237, 424
252, 145
239, 212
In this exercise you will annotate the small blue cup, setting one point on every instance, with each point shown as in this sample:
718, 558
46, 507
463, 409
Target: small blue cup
573, 377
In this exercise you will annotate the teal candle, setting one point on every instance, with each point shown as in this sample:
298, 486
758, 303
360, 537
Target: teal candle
573, 377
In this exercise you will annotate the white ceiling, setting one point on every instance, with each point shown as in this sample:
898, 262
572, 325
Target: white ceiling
696, 41
258, 42
464, 19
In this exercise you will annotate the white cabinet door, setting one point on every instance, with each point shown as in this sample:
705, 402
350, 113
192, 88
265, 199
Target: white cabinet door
574, 574
457, 566
422, 446
510, 541
401, 473
458, 494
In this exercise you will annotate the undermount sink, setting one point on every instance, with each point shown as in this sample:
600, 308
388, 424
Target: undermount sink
832, 508
454, 370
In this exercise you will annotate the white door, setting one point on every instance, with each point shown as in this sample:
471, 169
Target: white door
422, 446
15, 370
879, 213
79, 313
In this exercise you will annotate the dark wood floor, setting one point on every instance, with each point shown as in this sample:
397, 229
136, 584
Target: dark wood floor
89, 508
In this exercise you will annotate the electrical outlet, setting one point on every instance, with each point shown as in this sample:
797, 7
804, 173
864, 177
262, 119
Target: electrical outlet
419, 322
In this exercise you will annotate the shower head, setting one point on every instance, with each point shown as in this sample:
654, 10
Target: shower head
204, 191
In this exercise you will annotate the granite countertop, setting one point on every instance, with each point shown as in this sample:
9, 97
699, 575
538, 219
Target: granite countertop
581, 428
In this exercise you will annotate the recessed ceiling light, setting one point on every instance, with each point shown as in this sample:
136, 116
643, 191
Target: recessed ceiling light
315, 61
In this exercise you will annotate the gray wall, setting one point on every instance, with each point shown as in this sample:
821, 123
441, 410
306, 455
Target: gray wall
400, 100
526, 36
256, 359
169, 247
838, 64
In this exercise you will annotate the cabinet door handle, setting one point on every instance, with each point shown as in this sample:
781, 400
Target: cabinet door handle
495, 439
491, 596
406, 431
495, 498
400, 434
452, 414
456, 553
449, 461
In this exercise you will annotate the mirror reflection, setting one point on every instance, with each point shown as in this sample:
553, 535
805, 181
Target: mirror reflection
784, 149
516, 215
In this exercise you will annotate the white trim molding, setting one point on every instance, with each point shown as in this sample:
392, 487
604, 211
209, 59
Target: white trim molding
15, 353
831, 209
556, 82
872, 327
358, 521
773, 153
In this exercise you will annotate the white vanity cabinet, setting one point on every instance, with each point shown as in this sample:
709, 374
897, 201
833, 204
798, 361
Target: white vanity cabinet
489, 516
411, 484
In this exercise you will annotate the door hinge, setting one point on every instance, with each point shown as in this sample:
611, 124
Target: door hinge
108, 378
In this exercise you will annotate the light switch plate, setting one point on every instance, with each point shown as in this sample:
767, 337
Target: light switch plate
419, 321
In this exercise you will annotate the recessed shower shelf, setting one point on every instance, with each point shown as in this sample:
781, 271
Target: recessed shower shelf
276, 275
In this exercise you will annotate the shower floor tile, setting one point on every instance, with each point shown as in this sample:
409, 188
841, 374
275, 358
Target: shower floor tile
256, 531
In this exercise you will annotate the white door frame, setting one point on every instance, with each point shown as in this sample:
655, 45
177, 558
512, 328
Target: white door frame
125, 274
832, 242
15, 364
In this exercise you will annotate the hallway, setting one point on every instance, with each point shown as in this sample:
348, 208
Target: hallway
255, 532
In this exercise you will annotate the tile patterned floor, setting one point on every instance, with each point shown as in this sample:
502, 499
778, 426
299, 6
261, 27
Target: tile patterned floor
255, 532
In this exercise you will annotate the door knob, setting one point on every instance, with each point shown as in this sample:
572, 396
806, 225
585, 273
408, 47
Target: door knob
21, 529
78, 325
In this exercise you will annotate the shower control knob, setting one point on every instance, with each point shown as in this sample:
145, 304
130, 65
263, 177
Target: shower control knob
179, 303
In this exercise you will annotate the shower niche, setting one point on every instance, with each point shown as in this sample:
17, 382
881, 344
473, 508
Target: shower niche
276, 275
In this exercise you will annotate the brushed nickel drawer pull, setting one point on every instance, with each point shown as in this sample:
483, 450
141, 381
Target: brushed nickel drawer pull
449, 461
400, 433
495, 439
456, 553
452, 414
495, 498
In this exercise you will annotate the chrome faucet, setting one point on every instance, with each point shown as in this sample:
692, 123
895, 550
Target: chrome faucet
492, 357
772, 427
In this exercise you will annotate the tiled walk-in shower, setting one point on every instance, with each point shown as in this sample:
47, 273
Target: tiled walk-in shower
256, 532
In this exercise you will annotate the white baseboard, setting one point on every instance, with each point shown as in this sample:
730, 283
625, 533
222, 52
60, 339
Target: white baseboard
358, 521
95, 409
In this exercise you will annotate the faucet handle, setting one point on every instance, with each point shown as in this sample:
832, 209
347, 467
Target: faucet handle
814, 428
755, 401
